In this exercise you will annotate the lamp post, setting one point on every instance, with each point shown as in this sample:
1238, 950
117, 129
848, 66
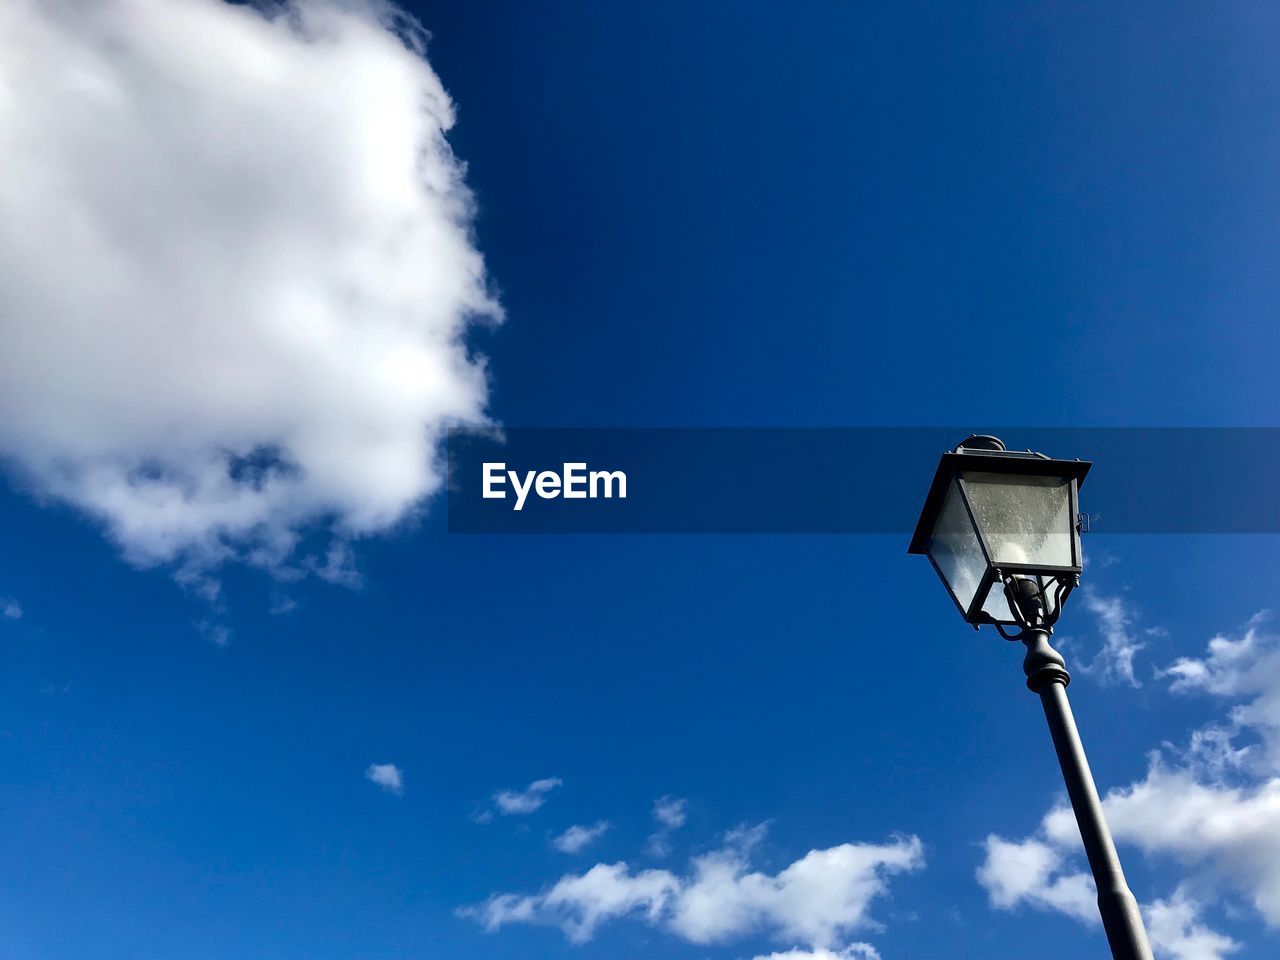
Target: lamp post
1001, 529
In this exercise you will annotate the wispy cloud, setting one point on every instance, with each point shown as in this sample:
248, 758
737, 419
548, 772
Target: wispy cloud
816, 902
577, 837
669, 813
10, 609
1120, 641
518, 802
283, 604
219, 634
386, 775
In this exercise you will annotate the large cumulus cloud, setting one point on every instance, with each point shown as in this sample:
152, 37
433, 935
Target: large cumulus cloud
236, 272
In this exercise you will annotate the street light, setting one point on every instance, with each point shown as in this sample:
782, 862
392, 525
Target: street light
1001, 529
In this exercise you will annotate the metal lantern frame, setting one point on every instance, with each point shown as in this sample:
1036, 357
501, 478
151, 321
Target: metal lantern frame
1035, 591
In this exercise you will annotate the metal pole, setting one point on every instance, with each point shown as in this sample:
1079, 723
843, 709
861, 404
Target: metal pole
1047, 675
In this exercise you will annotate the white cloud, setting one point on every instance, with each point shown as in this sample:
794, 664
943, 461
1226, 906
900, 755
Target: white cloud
386, 775
1030, 871
578, 836
670, 814
236, 273
1246, 668
1231, 833
10, 609
816, 901
1212, 808
1230, 667
510, 802
1177, 933
854, 951
579, 904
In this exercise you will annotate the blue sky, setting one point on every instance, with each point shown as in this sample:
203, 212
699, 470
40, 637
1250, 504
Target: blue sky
691, 215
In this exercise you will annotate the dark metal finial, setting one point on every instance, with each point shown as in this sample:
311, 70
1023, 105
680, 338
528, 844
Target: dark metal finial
980, 441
